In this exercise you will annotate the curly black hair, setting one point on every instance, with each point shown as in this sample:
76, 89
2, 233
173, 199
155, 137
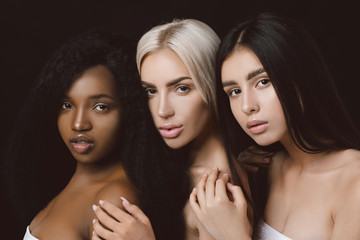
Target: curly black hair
38, 165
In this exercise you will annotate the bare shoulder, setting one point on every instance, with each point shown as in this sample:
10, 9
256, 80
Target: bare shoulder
346, 212
348, 165
113, 190
349, 176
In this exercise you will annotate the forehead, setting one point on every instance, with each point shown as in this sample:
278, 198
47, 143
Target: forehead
239, 64
162, 66
95, 80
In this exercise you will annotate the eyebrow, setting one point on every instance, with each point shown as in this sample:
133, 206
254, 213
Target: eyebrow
249, 76
255, 73
169, 84
228, 83
98, 96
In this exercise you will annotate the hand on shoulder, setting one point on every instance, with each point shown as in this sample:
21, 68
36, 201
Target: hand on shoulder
117, 218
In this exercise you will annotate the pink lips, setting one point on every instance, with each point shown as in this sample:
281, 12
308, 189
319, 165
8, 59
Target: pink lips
257, 126
170, 131
81, 144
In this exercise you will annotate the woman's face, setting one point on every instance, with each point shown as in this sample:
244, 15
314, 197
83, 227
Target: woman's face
176, 106
253, 99
89, 118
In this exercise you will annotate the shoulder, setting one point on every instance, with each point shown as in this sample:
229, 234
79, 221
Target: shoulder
113, 190
348, 178
350, 170
346, 212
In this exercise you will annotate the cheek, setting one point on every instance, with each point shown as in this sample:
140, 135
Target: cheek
152, 107
279, 117
109, 128
63, 125
194, 110
237, 112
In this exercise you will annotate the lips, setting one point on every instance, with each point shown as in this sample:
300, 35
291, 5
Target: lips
171, 131
257, 126
81, 144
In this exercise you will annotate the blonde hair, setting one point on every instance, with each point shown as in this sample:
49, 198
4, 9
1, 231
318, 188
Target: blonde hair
195, 43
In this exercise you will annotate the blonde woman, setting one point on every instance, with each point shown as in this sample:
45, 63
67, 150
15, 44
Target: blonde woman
176, 62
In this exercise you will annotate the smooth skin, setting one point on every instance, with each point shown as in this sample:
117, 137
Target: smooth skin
175, 101
312, 196
90, 110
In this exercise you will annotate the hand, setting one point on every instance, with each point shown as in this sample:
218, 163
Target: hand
115, 224
222, 217
253, 158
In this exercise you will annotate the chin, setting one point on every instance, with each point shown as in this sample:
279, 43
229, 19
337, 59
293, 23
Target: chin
264, 142
174, 145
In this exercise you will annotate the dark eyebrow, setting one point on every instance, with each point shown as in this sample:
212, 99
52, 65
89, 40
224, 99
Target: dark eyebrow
228, 83
175, 81
98, 96
255, 73
171, 83
147, 84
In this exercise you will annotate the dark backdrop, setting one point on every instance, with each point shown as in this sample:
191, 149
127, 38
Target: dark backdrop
32, 30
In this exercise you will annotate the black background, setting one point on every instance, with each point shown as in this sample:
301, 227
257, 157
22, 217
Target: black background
32, 30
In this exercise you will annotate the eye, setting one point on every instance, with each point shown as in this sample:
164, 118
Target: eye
66, 105
150, 91
101, 107
182, 89
234, 92
263, 82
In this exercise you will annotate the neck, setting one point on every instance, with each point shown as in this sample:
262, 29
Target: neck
300, 159
208, 150
97, 173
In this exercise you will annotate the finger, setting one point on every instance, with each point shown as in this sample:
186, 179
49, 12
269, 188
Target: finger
238, 195
220, 187
200, 191
135, 211
101, 231
256, 150
256, 160
194, 204
225, 177
250, 168
271, 154
115, 211
267, 160
210, 184
95, 236
106, 220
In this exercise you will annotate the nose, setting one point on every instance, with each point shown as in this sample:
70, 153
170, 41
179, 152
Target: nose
249, 103
165, 109
81, 121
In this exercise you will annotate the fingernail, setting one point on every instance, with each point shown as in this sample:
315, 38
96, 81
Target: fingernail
226, 175
93, 233
215, 168
204, 175
125, 200
101, 202
194, 189
267, 160
93, 221
94, 207
229, 184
